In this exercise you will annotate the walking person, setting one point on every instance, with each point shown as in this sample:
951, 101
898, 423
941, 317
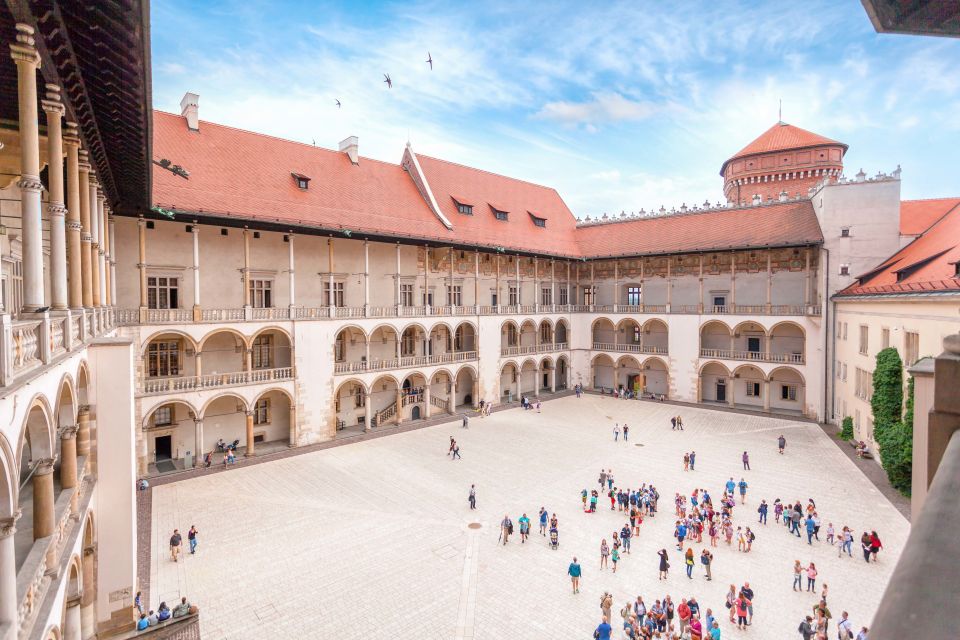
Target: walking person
453, 443
626, 432
680, 423
472, 498
706, 559
664, 564
616, 432
524, 523
746, 461
574, 572
615, 556
543, 518
811, 526
844, 627
506, 528
875, 545
688, 560
693, 461
673, 421
456, 451
743, 490
604, 553
731, 602
604, 629
740, 604
192, 539
175, 541
747, 593
606, 603
466, 422
865, 545
781, 443
797, 576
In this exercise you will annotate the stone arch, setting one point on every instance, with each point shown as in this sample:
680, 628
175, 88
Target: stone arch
222, 396
788, 341
656, 376
286, 393
789, 371
715, 335
749, 325
545, 331
74, 577
788, 390
509, 380
561, 332
82, 383
509, 334
602, 330
465, 336
273, 327
528, 333
164, 332
38, 430
603, 370
444, 371
715, 382
221, 330
224, 350
67, 406
383, 327
528, 376
9, 486
350, 399
562, 372
150, 410
52, 633
464, 382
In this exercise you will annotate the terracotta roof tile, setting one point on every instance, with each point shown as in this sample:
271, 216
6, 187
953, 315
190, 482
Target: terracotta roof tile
779, 137
916, 216
926, 264
780, 224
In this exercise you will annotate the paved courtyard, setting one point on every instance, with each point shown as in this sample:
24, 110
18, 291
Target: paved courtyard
371, 540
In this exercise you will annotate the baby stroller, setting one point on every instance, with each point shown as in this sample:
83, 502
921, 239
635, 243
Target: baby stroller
554, 543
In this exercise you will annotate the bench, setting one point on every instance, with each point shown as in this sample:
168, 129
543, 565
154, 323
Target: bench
866, 453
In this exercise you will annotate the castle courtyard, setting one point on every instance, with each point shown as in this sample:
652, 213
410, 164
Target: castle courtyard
373, 539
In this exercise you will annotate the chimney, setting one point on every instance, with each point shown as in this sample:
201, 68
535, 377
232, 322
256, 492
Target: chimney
189, 110
350, 146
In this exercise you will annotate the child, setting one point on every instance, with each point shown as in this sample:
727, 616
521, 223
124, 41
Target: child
830, 534
583, 497
615, 556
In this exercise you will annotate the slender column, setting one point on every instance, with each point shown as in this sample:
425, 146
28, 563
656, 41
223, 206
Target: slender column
474, 395
733, 282
766, 395
72, 142
396, 283
198, 359
476, 282
536, 285
8, 574
43, 517
553, 285
56, 209
86, 239
516, 385
451, 398
497, 256
426, 286
669, 285
593, 287
642, 275
68, 461
700, 301
426, 400
246, 267
142, 264
516, 265
293, 424
367, 410
104, 251
197, 441
248, 360
28, 61
83, 431
250, 445
113, 261
89, 598
450, 301
769, 281
71, 620
94, 242
366, 277
332, 302
553, 379
570, 299
195, 236
732, 389
399, 415
291, 265
806, 278
616, 284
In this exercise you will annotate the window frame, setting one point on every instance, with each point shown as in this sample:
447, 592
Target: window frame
262, 413
169, 291
160, 350
261, 293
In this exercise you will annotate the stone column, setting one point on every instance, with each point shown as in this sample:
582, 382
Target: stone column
766, 395
616, 284
731, 388
198, 363
669, 285
367, 411
366, 278
536, 285
71, 620
293, 280
195, 234
806, 278
56, 209
28, 61
769, 282
250, 443
516, 385
426, 278
332, 301
88, 600
104, 252
399, 415
142, 264
396, 283
293, 424
43, 515
72, 141
68, 461
83, 431
246, 267
499, 301
733, 283
8, 574
86, 240
94, 242
593, 287
474, 394
476, 282
197, 442
553, 379
700, 300
516, 269
113, 262
426, 400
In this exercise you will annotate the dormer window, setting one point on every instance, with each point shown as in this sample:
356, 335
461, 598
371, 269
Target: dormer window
302, 181
463, 206
537, 220
500, 215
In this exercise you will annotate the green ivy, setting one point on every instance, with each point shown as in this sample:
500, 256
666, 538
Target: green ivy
893, 430
846, 430
896, 454
908, 413
887, 400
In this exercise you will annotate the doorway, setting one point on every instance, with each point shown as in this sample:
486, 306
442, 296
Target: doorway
415, 412
721, 390
546, 381
163, 448
753, 344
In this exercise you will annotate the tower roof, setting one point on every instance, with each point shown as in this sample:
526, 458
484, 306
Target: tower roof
779, 137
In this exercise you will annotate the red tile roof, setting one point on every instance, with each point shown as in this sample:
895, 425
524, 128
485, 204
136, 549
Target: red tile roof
780, 224
779, 137
926, 264
916, 216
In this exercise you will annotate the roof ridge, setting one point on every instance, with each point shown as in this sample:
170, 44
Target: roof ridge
210, 123
931, 199
689, 212
491, 173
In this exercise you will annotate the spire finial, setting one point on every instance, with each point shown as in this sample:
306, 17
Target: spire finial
780, 112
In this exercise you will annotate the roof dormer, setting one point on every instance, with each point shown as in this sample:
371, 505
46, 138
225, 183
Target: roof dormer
301, 180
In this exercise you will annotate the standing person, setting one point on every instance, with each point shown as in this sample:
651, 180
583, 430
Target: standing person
747, 593
781, 443
865, 545
456, 451
466, 422
844, 627
574, 572
846, 542
746, 461
863, 634
664, 564
683, 613
603, 478
539, 404
524, 523
452, 445
686, 461
688, 560
741, 606
472, 498
603, 630
706, 559
812, 577
743, 490
693, 461
616, 432
604, 553
610, 479
731, 602
192, 539
831, 534
811, 529
615, 556
806, 628
626, 431
625, 536
797, 576
763, 511
680, 422
506, 528
673, 421
606, 602
175, 541
543, 517
875, 545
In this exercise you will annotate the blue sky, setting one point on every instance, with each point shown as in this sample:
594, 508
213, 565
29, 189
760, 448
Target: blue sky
619, 106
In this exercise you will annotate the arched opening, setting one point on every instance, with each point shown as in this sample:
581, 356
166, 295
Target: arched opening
715, 340
787, 391
629, 375
602, 372
441, 392
412, 341
384, 347
271, 349
465, 338
170, 431
787, 343
603, 334
715, 383
629, 335
528, 334
546, 332
170, 355
545, 375
656, 336
349, 349
656, 377
748, 386
39, 485
350, 404
467, 390
509, 382
509, 336
561, 334
223, 351
562, 373
225, 418
272, 418
413, 396
441, 340
748, 341
528, 378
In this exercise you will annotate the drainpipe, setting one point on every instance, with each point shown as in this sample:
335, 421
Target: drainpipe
829, 383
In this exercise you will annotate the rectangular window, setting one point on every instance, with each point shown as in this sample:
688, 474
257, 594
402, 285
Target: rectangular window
359, 397
844, 372
719, 301
261, 294
844, 330
633, 295
884, 338
163, 416
844, 269
911, 348
337, 300
454, 295
546, 296
514, 296
788, 392
426, 299
564, 295
839, 368
262, 355
261, 412
753, 389
500, 215
864, 339
163, 359
465, 209
845, 232
539, 222
163, 293
406, 295
588, 295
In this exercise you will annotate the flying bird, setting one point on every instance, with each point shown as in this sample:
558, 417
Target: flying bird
338, 104
429, 60
386, 79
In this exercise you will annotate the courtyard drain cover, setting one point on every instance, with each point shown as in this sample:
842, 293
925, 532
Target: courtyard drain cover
474, 525
638, 445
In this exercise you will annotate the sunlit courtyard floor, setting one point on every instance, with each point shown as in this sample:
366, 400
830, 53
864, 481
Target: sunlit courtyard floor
371, 540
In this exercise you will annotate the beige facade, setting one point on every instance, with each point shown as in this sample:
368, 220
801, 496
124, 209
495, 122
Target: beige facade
914, 325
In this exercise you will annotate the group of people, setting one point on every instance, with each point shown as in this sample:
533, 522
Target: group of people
616, 432
527, 405
795, 513
176, 541
545, 518
662, 619
152, 618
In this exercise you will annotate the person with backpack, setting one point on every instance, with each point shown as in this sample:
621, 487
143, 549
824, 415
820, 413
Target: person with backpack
781, 443
762, 510
751, 536
688, 561
604, 630
606, 602
806, 628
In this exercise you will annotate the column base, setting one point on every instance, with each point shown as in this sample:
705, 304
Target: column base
197, 313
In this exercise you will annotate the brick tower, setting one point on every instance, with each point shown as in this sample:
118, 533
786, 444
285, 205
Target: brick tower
784, 160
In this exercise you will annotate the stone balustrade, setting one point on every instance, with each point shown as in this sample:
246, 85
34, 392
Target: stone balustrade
752, 356
404, 362
629, 348
159, 386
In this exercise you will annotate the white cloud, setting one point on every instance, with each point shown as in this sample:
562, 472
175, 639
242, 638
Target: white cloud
603, 108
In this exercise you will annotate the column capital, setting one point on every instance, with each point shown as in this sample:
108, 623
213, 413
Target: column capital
30, 183
52, 102
57, 209
69, 431
8, 526
23, 50
71, 134
84, 160
248, 413
141, 222
44, 467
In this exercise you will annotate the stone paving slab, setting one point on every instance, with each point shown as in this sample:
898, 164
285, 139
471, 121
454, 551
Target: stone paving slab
370, 540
